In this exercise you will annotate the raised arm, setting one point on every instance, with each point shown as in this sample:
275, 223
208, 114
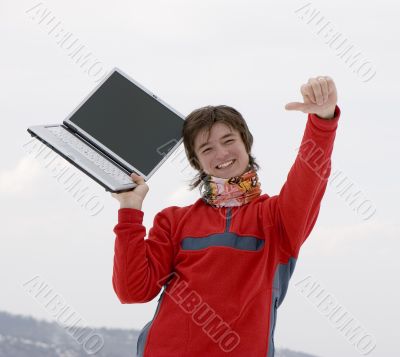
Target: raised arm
140, 265
298, 203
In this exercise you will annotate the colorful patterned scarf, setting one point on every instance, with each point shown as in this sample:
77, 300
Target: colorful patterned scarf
235, 191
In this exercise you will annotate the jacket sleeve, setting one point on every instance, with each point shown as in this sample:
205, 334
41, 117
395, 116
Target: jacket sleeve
297, 205
141, 266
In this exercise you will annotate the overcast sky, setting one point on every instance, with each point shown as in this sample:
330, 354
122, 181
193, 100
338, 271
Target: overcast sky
254, 56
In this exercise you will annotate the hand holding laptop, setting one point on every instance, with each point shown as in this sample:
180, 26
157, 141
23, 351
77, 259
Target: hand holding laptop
134, 198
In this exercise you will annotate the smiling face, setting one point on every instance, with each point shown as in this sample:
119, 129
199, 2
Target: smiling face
224, 154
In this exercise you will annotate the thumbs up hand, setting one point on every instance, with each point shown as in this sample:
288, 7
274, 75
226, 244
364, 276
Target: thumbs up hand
319, 96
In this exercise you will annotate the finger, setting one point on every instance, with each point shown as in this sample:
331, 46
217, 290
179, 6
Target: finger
316, 87
295, 106
306, 91
325, 89
137, 178
309, 99
331, 84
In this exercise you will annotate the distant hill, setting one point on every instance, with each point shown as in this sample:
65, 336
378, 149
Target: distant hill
283, 352
22, 336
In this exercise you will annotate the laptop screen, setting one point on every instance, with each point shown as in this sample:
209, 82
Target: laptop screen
129, 122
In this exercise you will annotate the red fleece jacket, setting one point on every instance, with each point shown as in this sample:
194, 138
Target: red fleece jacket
225, 271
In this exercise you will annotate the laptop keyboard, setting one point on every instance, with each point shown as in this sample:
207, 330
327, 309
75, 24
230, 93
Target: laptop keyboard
107, 166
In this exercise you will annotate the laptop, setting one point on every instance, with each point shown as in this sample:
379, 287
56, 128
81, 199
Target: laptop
119, 128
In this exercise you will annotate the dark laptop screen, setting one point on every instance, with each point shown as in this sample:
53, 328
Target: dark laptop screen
129, 122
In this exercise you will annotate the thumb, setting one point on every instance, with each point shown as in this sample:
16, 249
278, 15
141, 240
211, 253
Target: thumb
295, 106
138, 179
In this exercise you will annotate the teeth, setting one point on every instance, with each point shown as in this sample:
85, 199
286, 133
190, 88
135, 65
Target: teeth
225, 164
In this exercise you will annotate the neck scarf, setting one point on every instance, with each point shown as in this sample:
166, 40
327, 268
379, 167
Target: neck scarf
234, 191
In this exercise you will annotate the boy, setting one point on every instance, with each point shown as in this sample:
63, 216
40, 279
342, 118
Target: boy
226, 260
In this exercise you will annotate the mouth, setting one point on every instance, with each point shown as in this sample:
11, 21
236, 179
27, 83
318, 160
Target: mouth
225, 164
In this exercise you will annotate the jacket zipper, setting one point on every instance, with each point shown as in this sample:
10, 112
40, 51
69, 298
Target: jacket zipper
228, 218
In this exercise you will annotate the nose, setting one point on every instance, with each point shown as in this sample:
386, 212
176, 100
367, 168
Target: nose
222, 154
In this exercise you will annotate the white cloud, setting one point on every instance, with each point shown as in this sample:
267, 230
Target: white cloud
16, 180
355, 238
183, 196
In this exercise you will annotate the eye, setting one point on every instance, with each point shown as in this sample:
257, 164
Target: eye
206, 150
228, 141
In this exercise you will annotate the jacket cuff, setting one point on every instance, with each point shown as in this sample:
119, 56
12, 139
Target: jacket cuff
325, 124
130, 215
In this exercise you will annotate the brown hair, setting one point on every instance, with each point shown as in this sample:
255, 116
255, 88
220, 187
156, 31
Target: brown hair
205, 118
